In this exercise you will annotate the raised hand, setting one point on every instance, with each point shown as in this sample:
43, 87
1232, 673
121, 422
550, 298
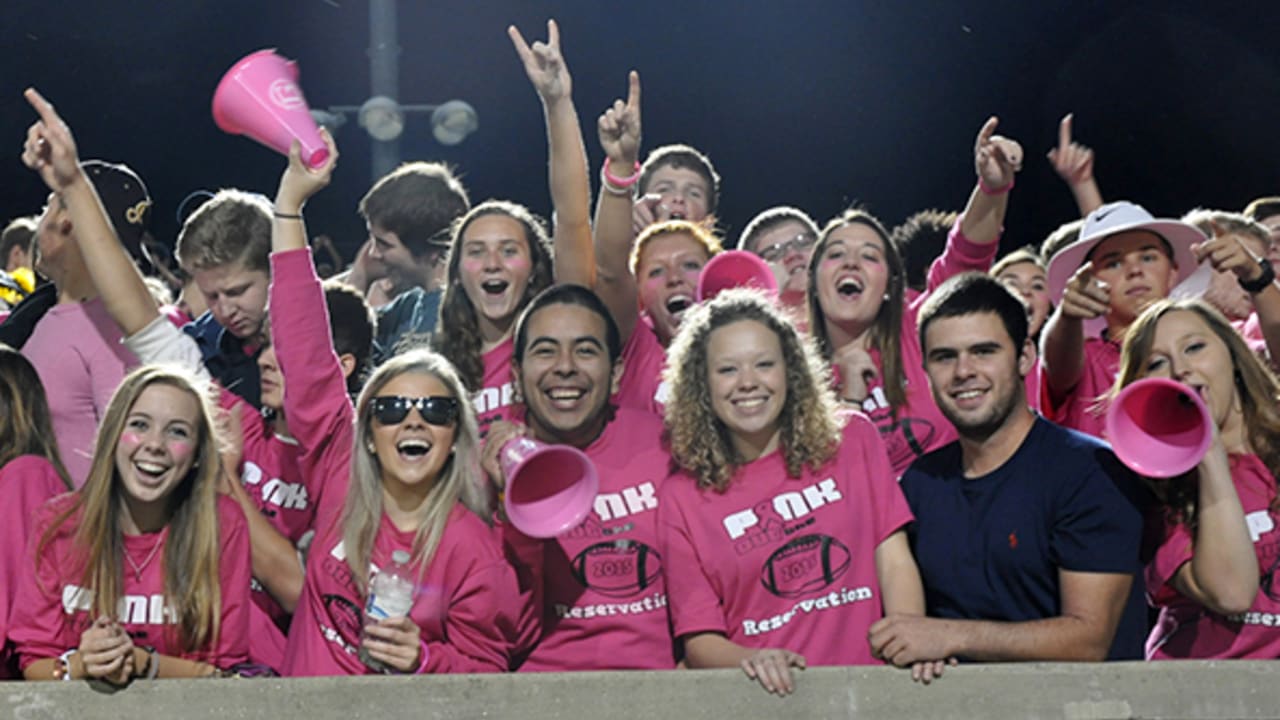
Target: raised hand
1227, 253
1085, 296
1072, 161
996, 159
544, 64
619, 127
50, 149
299, 182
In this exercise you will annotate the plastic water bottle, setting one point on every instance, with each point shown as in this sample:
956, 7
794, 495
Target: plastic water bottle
391, 594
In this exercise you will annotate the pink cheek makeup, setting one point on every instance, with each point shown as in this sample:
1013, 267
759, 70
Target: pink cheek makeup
180, 448
130, 439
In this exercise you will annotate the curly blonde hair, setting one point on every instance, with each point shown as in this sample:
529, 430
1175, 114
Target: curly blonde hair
1258, 388
700, 442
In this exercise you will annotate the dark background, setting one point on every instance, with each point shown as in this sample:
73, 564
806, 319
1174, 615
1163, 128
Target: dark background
813, 103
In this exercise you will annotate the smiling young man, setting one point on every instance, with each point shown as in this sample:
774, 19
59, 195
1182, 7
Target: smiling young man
1026, 533
1122, 261
596, 599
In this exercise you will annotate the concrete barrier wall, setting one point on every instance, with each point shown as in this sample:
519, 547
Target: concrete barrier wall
1060, 691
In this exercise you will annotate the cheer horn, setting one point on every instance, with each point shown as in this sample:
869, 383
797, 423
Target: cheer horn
550, 488
735, 268
259, 97
1159, 427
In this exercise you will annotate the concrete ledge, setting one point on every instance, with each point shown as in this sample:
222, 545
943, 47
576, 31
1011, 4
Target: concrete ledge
1062, 691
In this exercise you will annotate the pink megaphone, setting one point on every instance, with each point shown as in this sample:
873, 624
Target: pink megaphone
1159, 427
550, 488
735, 268
259, 97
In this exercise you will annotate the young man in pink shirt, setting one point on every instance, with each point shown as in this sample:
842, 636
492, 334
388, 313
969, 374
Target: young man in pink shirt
595, 595
1123, 260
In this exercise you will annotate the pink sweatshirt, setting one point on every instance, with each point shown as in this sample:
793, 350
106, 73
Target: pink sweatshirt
1080, 409
496, 398
462, 608
53, 609
76, 350
781, 562
604, 604
1186, 629
27, 481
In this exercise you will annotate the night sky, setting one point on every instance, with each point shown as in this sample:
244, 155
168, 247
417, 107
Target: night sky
818, 104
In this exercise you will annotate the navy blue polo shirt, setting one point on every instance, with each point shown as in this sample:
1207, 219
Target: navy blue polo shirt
989, 548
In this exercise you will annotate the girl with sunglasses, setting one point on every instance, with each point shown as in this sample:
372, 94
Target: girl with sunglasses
1212, 575
406, 462
863, 325
31, 472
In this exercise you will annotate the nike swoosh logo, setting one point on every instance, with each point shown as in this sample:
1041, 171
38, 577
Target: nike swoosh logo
1099, 217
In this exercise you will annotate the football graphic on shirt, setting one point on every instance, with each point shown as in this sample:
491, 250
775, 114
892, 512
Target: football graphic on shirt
345, 617
804, 565
618, 568
906, 439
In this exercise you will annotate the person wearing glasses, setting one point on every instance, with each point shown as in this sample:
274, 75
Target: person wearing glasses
784, 237
863, 325
401, 471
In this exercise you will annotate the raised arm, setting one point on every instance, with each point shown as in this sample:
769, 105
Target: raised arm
1227, 253
996, 160
1074, 164
567, 173
1062, 351
619, 131
50, 150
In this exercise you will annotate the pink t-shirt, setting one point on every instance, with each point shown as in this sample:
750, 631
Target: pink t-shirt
463, 607
1080, 409
785, 562
643, 359
603, 599
1187, 629
27, 482
77, 352
496, 398
1251, 330
53, 610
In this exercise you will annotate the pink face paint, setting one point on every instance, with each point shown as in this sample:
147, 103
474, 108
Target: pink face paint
130, 438
180, 448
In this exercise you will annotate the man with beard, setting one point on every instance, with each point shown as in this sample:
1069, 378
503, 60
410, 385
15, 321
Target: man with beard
1027, 534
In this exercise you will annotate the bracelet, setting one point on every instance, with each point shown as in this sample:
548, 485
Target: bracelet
62, 667
1268, 276
285, 216
153, 662
607, 178
988, 190
426, 654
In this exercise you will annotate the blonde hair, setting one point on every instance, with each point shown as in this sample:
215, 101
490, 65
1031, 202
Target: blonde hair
699, 232
192, 550
1258, 389
459, 479
700, 442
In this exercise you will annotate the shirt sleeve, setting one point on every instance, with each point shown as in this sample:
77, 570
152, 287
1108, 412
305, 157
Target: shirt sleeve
695, 605
316, 403
40, 628
890, 510
960, 255
234, 572
479, 625
161, 342
1096, 529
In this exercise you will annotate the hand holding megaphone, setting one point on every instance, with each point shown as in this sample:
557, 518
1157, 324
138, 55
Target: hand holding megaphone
547, 490
259, 97
1159, 427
